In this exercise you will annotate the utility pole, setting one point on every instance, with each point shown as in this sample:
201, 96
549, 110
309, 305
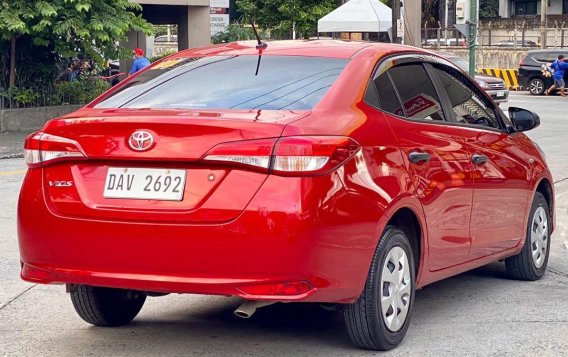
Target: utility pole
543, 22
395, 7
446, 20
473, 19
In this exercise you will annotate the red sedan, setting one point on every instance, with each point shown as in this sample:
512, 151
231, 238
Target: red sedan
307, 171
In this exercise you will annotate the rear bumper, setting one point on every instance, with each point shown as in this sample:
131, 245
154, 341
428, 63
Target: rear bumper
293, 230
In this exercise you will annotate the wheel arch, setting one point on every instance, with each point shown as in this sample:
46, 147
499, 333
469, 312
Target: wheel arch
410, 219
406, 220
545, 187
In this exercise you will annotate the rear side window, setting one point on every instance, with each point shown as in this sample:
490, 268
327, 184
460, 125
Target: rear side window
388, 100
229, 82
554, 56
416, 91
540, 56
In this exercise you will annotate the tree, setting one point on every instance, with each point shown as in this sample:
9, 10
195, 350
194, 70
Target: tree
488, 8
430, 11
235, 32
281, 17
92, 27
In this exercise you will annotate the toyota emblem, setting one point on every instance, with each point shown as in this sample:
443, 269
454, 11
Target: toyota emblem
140, 140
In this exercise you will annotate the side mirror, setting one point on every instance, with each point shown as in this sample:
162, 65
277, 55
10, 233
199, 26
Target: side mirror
523, 119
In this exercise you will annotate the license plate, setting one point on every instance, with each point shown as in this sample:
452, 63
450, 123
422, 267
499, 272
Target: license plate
500, 94
145, 184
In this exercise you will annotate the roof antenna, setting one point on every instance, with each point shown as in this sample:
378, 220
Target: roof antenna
260, 45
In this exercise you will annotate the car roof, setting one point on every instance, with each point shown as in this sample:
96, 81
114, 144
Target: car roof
311, 48
548, 50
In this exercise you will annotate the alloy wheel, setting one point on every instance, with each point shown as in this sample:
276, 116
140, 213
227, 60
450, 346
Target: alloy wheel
539, 237
536, 87
395, 289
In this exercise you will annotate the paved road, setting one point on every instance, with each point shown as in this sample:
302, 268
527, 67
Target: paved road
477, 313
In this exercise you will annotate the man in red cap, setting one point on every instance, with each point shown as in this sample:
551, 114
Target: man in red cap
140, 61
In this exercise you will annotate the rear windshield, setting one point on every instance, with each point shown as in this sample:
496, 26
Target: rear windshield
229, 82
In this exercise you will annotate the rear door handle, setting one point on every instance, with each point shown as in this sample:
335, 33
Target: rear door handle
416, 157
479, 159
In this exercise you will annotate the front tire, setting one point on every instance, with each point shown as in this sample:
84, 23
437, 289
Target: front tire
379, 319
531, 262
536, 86
106, 307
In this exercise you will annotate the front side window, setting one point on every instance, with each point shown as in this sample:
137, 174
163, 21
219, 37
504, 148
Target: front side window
230, 82
467, 106
416, 91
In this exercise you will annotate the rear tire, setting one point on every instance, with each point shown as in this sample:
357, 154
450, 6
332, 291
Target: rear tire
379, 319
536, 86
530, 264
107, 307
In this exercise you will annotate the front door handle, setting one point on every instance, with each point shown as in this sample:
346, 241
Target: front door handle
416, 157
479, 159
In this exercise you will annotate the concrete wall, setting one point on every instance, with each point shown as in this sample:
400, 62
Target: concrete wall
30, 119
493, 58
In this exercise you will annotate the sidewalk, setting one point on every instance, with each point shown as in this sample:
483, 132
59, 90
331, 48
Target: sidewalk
11, 145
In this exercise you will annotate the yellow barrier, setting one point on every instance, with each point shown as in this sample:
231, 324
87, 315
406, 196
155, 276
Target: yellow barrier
508, 75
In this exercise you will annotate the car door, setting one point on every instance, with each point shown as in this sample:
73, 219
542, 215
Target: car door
434, 155
500, 167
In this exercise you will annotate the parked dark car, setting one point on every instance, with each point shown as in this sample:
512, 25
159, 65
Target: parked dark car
530, 70
494, 86
518, 43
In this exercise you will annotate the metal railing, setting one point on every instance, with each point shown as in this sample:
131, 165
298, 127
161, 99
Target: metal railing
51, 94
494, 36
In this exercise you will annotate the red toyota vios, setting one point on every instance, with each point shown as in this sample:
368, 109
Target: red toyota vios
309, 171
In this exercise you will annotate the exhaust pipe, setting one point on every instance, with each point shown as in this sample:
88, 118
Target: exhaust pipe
248, 308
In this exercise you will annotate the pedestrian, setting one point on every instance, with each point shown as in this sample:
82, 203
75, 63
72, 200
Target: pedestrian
67, 74
114, 77
140, 61
558, 66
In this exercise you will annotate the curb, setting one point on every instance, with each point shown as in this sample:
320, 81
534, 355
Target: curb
11, 156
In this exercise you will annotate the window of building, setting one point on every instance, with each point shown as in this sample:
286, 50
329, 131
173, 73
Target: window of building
526, 7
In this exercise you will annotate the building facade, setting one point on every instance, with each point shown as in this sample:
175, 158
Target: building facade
522, 8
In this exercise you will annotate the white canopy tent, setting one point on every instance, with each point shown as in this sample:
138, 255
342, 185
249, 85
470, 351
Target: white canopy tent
357, 16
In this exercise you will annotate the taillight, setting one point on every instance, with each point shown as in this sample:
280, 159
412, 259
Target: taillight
41, 148
311, 155
255, 153
288, 156
522, 63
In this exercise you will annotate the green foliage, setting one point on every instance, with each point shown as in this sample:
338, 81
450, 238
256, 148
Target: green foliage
161, 30
68, 27
488, 8
20, 97
280, 16
235, 32
430, 13
77, 92
38, 66
161, 55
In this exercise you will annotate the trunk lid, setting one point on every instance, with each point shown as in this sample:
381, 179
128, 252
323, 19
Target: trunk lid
212, 193
178, 135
